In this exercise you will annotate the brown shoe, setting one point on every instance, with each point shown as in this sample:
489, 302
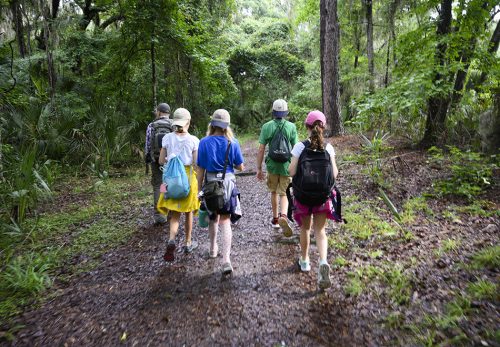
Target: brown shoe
285, 226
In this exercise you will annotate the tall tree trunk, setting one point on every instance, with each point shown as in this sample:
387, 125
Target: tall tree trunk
28, 34
357, 38
437, 105
17, 18
392, 25
369, 42
387, 63
47, 33
178, 90
153, 72
329, 43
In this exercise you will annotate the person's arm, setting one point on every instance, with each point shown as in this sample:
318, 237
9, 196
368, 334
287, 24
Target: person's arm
334, 166
147, 146
292, 168
200, 176
195, 159
260, 159
163, 155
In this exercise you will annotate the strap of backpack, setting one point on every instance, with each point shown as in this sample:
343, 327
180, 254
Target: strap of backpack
279, 127
226, 159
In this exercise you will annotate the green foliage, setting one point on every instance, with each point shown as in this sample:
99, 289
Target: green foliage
470, 173
26, 275
25, 185
397, 283
364, 223
355, 286
374, 149
479, 208
412, 206
487, 258
482, 289
33, 250
448, 245
339, 262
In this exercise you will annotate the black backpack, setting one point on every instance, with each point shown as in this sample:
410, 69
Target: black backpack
313, 182
160, 128
280, 149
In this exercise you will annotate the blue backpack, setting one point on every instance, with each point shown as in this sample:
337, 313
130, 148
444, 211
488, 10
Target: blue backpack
175, 178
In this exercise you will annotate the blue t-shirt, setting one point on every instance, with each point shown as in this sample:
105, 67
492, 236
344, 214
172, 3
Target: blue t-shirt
212, 151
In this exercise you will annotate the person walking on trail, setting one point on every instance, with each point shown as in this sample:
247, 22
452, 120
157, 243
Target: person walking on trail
312, 202
154, 135
185, 146
281, 136
219, 155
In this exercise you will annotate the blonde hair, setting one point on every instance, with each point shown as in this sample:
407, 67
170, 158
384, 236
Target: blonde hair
227, 132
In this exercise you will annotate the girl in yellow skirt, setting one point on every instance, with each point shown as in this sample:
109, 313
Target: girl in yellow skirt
184, 145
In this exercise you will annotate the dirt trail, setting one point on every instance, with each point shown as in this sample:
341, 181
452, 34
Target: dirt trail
135, 299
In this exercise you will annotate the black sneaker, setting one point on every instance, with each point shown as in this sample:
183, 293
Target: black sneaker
170, 252
227, 269
190, 248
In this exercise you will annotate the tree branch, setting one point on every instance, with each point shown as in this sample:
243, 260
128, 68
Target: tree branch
11, 68
112, 20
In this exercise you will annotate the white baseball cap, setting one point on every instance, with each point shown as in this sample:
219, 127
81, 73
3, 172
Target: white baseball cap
181, 117
280, 108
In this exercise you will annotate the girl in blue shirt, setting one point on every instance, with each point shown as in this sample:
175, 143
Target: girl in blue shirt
210, 162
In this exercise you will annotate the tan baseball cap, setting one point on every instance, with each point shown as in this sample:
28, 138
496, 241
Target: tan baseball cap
181, 117
220, 118
280, 108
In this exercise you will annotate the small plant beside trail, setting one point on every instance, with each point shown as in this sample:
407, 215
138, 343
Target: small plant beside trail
396, 283
471, 173
374, 149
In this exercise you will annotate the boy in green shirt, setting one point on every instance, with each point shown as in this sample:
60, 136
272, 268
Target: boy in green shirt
278, 177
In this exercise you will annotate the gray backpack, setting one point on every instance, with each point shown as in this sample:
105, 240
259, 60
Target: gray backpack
160, 128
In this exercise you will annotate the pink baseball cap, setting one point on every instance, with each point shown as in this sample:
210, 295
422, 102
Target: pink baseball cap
315, 115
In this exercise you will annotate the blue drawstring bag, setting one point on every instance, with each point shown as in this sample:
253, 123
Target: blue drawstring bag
174, 176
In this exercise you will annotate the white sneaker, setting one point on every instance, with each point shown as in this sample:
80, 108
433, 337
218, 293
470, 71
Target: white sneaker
324, 276
274, 223
304, 265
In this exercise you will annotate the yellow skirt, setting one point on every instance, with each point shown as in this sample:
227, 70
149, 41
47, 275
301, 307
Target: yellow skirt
187, 204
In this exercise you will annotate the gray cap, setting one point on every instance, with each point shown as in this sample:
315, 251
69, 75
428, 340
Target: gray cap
220, 118
163, 108
181, 117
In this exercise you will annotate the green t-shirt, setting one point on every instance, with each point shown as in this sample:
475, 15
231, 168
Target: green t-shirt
266, 135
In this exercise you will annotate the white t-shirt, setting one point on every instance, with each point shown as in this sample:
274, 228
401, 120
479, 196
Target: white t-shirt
180, 145
299, 147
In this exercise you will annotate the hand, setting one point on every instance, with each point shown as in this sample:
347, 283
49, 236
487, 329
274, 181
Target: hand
260, 175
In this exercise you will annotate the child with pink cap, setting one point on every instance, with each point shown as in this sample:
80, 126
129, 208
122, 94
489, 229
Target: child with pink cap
311, 211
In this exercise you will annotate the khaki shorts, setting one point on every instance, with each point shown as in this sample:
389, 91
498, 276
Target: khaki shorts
278, 183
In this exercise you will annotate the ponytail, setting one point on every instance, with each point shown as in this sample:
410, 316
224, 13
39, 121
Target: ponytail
317, 140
